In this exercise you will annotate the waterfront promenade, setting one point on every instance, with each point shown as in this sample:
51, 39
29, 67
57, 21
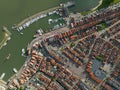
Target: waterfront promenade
100, 2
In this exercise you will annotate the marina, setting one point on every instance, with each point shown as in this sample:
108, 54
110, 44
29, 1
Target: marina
33, 20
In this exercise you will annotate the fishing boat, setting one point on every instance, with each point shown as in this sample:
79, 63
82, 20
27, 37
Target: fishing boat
23, 52
2, 76
8, 57
15, 70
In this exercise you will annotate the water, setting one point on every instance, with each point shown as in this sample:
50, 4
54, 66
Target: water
84, 5
12, 12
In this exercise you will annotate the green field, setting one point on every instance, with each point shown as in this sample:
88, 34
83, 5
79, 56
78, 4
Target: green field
100, 57
102, 25
14, 11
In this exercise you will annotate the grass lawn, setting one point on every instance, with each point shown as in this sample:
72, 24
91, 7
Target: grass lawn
102, 26
62, 49
86, 12
107, 3
100, 58
72, 44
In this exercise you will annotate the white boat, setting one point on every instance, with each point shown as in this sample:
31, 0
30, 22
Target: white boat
21, 33
20, 28
2, 76
15, 70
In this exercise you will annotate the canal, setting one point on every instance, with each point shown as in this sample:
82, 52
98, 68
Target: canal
12, 12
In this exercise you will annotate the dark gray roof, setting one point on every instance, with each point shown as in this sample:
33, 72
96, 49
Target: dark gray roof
96, 69
84, 86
